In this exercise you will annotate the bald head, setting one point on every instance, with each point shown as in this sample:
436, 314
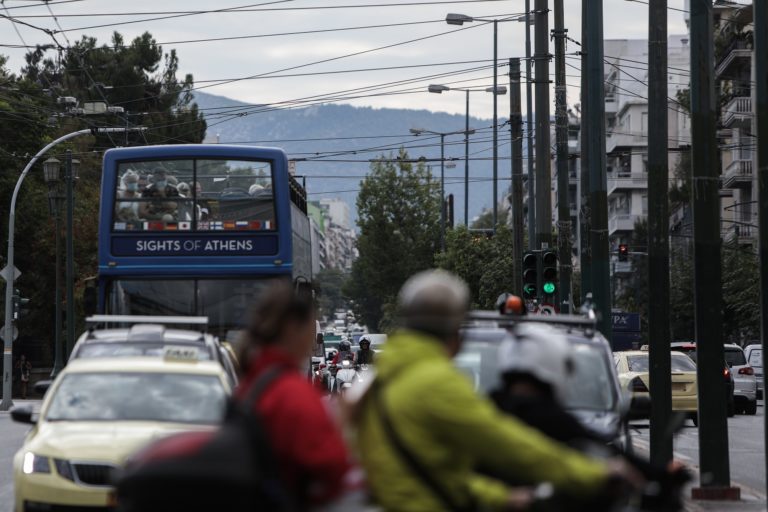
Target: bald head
434, 302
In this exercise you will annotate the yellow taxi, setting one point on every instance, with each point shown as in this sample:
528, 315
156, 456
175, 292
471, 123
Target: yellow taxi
98, 412
633, 366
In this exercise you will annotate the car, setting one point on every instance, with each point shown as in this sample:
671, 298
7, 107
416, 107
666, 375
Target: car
595, 398
98, 412
689, 349
744, 382
754, 355
149, 336
633, 366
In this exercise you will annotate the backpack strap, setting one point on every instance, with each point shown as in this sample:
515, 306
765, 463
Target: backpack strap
414, 464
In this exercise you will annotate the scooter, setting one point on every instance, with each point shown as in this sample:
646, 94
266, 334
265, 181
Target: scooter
346, 375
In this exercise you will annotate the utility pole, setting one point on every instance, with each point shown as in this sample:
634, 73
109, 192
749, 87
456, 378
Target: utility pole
585, 215
442, 192
658, 235
529, 130
761, 74
713, 426
466, 163
543, 161
495, 124
69, 180
598, 186
561, 136
516, 134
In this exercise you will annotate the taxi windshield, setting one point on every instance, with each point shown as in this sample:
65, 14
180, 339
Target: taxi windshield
162, 397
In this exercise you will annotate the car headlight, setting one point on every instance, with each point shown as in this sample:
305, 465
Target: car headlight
35, 464
64, 469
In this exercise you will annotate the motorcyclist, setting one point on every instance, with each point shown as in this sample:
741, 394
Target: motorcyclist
344, 353
365, 355
423, 454
535, 365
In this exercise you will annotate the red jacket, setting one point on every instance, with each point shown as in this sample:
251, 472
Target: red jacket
307, 444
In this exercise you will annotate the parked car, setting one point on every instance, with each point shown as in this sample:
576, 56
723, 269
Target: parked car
745, 384
754, 355
633, 368
689, 348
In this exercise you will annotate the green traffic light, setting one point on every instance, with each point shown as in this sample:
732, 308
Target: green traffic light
549, 288
529, 289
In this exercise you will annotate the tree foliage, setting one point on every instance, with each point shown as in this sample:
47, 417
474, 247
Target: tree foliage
329, 283
398, 216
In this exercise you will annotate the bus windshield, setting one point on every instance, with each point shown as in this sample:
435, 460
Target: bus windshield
194, 194
225, 302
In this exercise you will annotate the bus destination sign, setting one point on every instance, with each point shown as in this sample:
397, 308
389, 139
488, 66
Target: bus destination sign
194, 246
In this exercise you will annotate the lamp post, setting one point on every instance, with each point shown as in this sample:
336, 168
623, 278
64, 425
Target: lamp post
467, 133
70, 176
51, 173
7, 403
439, 89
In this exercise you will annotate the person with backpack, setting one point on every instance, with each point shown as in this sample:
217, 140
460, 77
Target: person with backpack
422, 430
314, 463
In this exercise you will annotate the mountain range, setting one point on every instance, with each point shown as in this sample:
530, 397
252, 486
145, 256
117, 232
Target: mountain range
334, 143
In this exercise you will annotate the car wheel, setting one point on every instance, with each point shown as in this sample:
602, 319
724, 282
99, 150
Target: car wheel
751, 408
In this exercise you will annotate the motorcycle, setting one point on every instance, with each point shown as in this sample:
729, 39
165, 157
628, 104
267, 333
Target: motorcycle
346, 375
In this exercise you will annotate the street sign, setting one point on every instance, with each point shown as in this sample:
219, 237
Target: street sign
625, 322
15, 333
8, 272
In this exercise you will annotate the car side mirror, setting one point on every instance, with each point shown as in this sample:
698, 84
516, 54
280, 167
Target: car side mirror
23, 414
41, 387
640, 407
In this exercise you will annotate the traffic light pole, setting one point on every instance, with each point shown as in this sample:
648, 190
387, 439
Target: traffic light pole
585, 216
713, 427
543, 162
529, 130
516, 134
598, 186
761, 75
658, 235
561, 136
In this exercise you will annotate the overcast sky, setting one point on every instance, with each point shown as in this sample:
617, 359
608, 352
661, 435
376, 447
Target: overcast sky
216, 60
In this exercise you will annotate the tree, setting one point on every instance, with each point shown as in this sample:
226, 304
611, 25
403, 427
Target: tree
399, 219
741, 293
329, 283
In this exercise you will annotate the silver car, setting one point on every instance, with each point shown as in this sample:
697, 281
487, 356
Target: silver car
754, 355
745, 384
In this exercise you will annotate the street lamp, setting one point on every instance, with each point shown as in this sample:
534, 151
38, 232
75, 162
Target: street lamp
440, 89
51, 173
466, 133
460, 19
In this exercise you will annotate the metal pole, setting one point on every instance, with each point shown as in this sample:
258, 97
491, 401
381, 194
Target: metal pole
561, 136
516, 134
761, 76
585, 215
598, 186
466, 165
70, 248
658, 235
543, 160
442, 192
495, 124
713, 426
529, 117
58, 363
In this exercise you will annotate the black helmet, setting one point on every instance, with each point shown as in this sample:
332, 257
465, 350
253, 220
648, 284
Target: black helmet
345, 346
365, 342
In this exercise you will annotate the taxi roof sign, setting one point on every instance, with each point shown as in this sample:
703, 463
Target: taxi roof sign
181, 354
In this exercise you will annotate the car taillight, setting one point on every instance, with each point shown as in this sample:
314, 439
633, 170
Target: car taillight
747, 370
637, 385
726, 373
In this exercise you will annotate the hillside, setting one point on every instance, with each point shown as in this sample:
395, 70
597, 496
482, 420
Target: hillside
340, 128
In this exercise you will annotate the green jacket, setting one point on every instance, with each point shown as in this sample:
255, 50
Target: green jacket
452, 430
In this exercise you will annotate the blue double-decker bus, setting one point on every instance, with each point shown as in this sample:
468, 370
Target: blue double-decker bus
197, 229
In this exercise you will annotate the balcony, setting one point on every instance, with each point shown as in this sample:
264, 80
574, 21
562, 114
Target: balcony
621, 222
738, 51
742, 234
627, 181
738, 174
738, 112
618, 140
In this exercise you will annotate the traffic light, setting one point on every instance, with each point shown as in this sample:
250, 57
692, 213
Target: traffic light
19, 304
623, 252
549, 273
530, 274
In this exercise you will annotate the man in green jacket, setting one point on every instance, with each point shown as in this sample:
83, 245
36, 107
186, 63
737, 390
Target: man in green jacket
421, 402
